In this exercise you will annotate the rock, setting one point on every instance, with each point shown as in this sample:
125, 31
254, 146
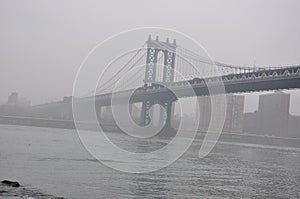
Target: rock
10, 183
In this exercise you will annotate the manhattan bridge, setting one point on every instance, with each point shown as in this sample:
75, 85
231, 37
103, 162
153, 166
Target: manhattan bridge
165, 66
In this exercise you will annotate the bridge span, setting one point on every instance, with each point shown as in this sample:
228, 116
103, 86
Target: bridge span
154, 88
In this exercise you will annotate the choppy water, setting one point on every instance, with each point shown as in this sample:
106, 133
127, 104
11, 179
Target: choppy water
54, 161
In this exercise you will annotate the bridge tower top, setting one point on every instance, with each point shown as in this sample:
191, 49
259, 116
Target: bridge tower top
161, 45
169, 51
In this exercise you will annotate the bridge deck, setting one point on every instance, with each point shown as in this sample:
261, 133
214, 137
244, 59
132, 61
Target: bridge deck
285, 78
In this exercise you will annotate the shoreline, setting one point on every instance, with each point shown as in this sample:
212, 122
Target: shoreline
24, 192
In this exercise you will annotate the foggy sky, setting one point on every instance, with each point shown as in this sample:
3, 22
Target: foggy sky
44, 42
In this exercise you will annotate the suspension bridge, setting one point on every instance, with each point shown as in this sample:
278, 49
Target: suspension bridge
159, 68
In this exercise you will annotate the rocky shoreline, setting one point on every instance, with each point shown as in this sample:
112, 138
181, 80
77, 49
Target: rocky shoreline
13, 190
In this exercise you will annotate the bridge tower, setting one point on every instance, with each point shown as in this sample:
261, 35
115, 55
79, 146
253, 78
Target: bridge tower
154, 47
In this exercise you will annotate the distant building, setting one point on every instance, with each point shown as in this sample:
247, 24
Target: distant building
15, 106
273, 117
13, 99
294, 126
203, 112
273, 113
187, 120
250, 123
234, 113
107, 115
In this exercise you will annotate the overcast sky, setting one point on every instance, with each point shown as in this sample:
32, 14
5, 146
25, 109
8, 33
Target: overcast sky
44, 42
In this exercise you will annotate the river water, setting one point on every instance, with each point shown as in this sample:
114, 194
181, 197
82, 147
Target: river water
55, 162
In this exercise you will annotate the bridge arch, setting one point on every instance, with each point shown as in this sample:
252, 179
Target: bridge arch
263, 75
286, 73
253, 76
274, 74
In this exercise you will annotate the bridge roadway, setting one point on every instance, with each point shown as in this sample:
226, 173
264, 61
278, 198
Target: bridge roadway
264, 80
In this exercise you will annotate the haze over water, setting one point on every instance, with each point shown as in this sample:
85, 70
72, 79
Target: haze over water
54, 161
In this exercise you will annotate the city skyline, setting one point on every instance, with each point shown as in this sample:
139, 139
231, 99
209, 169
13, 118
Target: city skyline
234, 36
254, 106
261, 121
